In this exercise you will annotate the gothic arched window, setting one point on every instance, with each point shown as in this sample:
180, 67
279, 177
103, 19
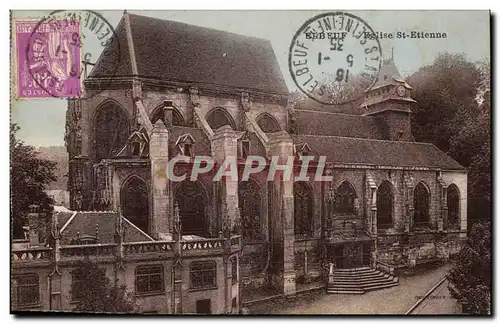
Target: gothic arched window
111, 130
453, 202
249, 201
345, 197
421, 206
384, 205
219, 117
268, 123
159, 113
303, 207
135, 202
192, 200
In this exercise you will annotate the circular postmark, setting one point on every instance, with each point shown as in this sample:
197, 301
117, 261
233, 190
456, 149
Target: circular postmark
63, 48
333, 59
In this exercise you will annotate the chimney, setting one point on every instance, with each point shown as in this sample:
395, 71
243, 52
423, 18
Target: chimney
33, 225
168, 111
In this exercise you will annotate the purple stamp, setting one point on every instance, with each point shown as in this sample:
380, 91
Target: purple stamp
48, 58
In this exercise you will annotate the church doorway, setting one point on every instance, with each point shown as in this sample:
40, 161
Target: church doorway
350, 255
192, 201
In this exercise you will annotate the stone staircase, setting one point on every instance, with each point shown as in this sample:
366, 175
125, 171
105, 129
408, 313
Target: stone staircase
359, 281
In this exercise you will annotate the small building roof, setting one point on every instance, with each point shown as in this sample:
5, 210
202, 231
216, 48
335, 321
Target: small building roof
102, 223
389, 75
349, 150
334, 124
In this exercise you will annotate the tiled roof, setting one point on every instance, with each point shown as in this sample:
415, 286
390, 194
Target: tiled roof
350, 108
347, 150
389, 75
333, 124
63, 217
132, 233
175, 51
101, 223
110, 63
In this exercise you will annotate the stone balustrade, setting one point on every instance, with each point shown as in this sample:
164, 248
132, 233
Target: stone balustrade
147, 247
88, 249
69, 252
32, 254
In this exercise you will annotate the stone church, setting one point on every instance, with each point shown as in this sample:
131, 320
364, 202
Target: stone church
165, 88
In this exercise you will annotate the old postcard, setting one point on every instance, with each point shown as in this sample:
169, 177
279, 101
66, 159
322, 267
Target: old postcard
250, 162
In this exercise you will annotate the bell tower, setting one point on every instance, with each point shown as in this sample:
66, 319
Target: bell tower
389, 101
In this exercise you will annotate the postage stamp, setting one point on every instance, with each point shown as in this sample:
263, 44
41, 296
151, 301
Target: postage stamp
333, 60
55, 53
48, 58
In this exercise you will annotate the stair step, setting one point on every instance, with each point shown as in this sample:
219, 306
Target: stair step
342, 291
389, 285
351, 279
364, 283
372, 276
354, 269
375, 283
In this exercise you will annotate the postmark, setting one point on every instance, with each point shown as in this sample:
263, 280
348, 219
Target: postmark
56, 53
333, 60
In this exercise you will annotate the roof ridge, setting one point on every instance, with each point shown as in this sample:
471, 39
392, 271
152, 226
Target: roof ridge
366, 139
198, 26
130, 43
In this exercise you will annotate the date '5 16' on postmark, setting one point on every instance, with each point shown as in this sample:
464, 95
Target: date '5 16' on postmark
332, 61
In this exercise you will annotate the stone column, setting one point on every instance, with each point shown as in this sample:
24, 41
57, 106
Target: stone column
160, 215
281, 148
225, 149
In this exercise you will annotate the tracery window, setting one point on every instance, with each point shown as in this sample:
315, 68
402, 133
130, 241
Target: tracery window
345, 197
421, 206
111, 130
191, 199
453, 202
159, 113
219, 117
303, 207
267, 123
134, 198
384, 205
249, 200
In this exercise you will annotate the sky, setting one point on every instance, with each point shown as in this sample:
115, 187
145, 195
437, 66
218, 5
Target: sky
42, 120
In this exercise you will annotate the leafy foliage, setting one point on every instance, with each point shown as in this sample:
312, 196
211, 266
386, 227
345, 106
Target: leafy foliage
453, 112
29, 175
471, 275
96, 292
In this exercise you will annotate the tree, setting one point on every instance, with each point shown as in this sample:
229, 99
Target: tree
446, 93
96, 293
471, 275
453, 112
29, 175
